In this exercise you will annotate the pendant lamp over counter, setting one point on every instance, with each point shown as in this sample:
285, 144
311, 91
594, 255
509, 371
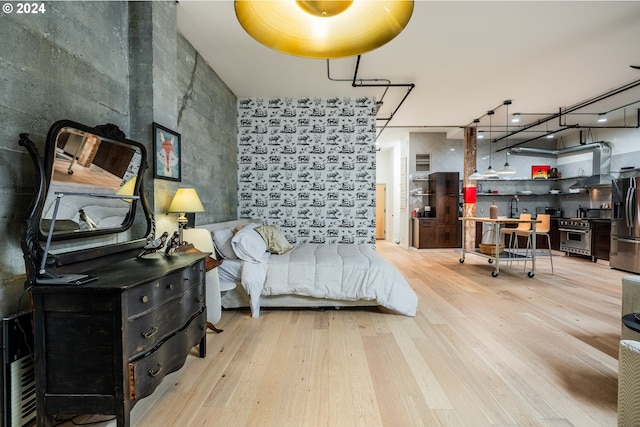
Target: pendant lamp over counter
323, 29
507, 169
490, 172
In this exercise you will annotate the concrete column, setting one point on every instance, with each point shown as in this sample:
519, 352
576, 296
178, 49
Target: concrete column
153, 92
469, 186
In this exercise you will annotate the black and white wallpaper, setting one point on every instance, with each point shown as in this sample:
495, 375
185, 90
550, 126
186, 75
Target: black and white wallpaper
309, 166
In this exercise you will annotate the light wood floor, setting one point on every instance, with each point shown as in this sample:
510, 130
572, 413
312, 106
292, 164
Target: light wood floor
482, 351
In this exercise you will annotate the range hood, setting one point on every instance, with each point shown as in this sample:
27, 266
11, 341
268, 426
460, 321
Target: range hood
601, 162
600, 173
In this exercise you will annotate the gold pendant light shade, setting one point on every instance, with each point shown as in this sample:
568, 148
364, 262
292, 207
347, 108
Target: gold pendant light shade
323, 29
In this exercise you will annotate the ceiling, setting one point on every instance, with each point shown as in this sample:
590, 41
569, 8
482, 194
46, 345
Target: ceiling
464, 58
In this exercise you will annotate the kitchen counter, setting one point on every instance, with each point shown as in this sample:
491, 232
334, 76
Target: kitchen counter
496, 256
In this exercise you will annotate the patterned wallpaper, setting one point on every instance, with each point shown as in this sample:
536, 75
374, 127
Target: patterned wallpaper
309, 166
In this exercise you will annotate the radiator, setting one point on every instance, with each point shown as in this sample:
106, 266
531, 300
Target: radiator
19, 376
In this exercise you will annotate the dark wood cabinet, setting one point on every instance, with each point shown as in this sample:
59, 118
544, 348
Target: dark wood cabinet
600, 239
424, 233
554, 233
442, 229
444, 183
102, 346
445, 188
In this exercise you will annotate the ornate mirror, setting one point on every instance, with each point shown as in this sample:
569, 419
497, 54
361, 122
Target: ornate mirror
85, 171
89, 188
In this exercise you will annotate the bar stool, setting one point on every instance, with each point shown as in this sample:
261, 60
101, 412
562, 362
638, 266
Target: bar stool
511, 231
542, 229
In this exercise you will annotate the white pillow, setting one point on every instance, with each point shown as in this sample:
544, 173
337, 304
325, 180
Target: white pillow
222, 242
248, 244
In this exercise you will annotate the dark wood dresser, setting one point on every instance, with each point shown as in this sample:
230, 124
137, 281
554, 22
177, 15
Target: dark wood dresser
102, 346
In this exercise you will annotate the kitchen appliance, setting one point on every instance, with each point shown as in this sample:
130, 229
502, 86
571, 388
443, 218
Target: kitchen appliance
625, 227
575, 235
548, 210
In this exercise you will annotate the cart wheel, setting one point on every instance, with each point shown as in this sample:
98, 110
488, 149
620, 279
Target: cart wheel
490, 261
494, 273
461, 260
70, 172
530, 274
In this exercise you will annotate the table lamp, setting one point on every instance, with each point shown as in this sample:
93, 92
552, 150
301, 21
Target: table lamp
185, 200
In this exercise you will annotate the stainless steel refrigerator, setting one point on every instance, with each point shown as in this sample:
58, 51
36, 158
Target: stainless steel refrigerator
625, 224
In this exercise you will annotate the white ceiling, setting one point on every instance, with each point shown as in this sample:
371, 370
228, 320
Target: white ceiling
464, 57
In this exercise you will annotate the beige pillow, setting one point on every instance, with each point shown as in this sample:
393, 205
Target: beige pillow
275, 240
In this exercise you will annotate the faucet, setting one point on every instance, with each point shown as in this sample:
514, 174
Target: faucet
511, 210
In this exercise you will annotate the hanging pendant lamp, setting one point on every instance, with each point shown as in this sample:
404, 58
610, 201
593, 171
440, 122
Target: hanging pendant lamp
490, 172
323, 29
476, 175
507, 169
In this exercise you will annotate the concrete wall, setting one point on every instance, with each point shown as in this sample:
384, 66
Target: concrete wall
108, 62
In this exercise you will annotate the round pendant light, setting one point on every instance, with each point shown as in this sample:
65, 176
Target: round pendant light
323, 29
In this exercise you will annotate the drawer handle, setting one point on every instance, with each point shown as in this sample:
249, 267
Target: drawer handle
144, 299
155, 373
170, 286
154, 330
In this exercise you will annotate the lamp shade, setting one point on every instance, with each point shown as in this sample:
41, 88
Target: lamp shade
323, 29
127, 189
186, 200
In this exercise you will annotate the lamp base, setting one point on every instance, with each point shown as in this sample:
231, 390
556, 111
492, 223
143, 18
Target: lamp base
182, 224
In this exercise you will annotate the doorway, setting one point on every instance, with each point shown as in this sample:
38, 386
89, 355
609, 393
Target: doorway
381, 218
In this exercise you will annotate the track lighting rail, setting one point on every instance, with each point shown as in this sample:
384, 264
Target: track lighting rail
562, 114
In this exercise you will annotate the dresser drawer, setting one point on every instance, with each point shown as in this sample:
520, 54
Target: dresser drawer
144, 332
147, 297
194, 274
146, 373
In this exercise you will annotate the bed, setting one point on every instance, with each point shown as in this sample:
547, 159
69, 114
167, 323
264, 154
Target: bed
104, 212
255, 275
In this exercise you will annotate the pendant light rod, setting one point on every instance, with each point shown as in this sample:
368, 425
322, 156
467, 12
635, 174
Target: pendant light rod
507, 169
490, 172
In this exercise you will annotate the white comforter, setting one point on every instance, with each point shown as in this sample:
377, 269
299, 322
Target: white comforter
342, 272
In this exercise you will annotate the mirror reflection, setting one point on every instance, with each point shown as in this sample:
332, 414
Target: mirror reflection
87, 173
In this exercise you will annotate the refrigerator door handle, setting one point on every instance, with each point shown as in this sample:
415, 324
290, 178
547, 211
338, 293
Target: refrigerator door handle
619, 239
632, 203
627, 207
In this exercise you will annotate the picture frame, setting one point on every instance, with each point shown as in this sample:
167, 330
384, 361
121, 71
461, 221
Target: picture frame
540, 171
167, 153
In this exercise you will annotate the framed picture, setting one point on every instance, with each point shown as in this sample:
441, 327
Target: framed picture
540, 171
167, 153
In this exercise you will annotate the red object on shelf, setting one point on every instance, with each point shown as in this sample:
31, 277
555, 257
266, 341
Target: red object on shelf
469, 194
540, 171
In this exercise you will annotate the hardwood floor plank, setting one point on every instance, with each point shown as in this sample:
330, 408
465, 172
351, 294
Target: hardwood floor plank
481, 351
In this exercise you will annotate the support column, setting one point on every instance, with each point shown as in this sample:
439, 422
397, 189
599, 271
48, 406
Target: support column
469, 187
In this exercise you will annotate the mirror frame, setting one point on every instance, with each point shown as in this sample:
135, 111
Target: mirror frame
31, 233
109, 133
